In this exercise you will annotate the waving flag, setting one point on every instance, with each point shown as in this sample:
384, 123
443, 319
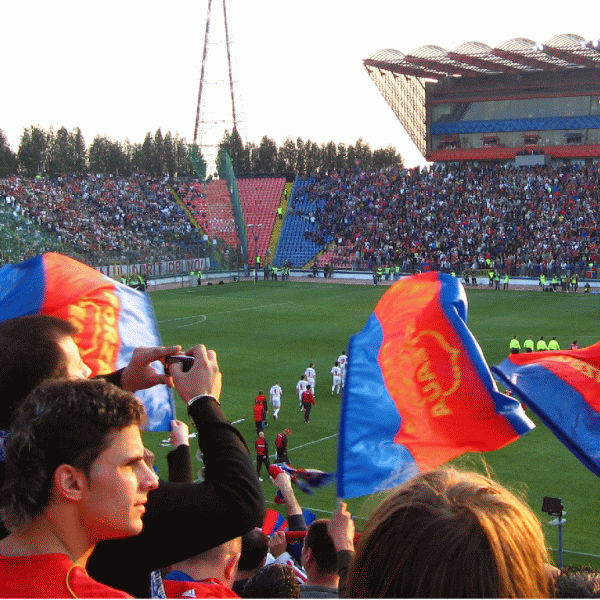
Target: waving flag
273, 522
418, 390
562, 387
112, 318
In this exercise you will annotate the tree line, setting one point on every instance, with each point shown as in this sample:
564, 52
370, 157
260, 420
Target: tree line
52, 153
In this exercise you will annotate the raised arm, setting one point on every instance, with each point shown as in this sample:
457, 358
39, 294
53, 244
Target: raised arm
184, 519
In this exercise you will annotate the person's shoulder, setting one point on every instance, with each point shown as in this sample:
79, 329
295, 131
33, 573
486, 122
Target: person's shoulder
83, 586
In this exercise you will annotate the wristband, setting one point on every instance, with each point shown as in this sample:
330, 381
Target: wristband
200, 397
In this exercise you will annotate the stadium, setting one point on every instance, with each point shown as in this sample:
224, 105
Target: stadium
245, 263
524, 102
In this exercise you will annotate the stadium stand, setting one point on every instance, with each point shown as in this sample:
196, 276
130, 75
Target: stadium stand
300, 236
520, 220
260, 198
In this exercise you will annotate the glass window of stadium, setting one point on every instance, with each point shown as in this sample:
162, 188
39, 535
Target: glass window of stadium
520, 108
518, 139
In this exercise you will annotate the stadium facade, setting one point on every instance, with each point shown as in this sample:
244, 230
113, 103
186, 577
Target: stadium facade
522, 102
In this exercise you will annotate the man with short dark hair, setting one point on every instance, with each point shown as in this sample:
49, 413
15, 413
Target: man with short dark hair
308, 401
75, 475
319, 560
202, 509
255, 546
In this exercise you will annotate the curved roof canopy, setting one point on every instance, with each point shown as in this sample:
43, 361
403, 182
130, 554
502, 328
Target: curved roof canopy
517, 55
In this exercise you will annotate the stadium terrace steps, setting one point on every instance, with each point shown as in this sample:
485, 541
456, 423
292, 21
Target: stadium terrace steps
260, 198
297, 241
276, 233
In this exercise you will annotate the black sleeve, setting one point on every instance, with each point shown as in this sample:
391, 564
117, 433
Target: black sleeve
180, 464
114, 378
296, 522
184, 519
344, 558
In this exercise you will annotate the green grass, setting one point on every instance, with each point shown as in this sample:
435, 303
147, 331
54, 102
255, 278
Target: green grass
266, 331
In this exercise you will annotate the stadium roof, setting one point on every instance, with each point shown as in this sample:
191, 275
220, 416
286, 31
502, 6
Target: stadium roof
517, 55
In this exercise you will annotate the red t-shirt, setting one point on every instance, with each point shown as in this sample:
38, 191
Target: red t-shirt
49, 576
259, 411
262, 447
207, 588
307, 396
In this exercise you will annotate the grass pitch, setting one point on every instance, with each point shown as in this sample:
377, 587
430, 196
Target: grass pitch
269, 331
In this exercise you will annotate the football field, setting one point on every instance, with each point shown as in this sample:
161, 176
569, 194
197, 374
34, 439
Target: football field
269, 331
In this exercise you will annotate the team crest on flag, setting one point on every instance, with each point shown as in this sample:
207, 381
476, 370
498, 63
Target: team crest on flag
418, 390
112, 319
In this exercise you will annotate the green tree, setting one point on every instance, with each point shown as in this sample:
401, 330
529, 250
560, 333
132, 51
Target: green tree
158, 156
8, 159
386, 157
300, 156
108, 156
266, 158
342, 157
147, 154
312, 157
329, 156
183, 166
363, 153
233, 144
288, 156
78, 152
59, 156
32, 150
169, 155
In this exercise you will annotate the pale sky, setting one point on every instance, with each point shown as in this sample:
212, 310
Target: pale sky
122, 68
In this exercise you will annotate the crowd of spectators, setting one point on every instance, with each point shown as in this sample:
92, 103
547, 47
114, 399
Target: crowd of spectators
100, 215
525, 220
518, 220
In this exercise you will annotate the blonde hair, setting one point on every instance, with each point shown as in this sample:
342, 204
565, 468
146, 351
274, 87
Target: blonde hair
448, 533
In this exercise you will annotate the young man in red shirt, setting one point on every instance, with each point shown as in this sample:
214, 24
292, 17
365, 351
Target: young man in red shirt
308, 401
75, 475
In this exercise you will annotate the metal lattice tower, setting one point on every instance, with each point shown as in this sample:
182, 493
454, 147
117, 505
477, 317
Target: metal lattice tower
213, 116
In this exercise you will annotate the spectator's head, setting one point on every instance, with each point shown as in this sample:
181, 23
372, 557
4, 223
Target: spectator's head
255, 546
318, 552
583, 582
273, 581
450, 534
34, 348
75, 449
220, 562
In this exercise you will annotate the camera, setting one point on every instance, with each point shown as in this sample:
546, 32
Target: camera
185, 361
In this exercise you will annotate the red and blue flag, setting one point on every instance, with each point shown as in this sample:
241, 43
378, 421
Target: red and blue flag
562, 387
112, 319
418, 390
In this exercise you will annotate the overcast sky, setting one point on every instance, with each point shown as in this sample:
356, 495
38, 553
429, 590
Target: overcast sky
122, 68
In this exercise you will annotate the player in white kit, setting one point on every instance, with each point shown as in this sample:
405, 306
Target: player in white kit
343, 362
311, 376
301, 388
275, 394
336, 372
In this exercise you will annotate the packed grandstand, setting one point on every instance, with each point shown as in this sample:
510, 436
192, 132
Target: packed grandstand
523, 220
